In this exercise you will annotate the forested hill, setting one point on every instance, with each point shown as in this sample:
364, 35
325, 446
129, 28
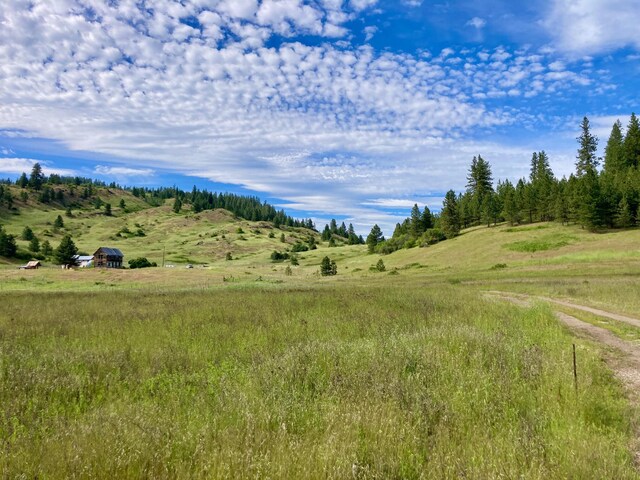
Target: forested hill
602, 193
77, 192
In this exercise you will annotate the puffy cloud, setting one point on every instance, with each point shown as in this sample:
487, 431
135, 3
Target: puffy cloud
17, 166
594, 26
192, 87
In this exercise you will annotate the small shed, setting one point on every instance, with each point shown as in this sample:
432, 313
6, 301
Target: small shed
32, 265
83, 261
106, 257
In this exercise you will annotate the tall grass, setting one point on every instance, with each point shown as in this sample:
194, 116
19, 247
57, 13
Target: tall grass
349, 382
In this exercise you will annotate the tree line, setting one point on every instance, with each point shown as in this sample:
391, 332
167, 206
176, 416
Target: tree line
602, 193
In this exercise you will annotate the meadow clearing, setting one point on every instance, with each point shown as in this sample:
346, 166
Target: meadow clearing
238, 370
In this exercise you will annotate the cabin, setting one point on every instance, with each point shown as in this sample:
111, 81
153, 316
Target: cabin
32, 265
106, 257
83, 261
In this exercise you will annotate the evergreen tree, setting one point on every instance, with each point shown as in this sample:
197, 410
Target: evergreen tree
479, 184
122, 204
624, 216
589, 205
58, 223
561, 202
374, 238
490, 210
326, 233
66, 250
177, 205
588, 144
416, 221
46, 249
27, 234
325, 267
427, 219
614, 152
449, 218
107, 209
510, 207
631, 146
23, 181
36, 180
8, 247
34, 245
542, 186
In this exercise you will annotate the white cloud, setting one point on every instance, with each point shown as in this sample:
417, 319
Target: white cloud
119, 172
477, 22
17, 166
347, 122
594, 26
369, 32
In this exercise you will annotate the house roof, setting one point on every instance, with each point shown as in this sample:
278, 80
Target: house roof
110, 251
83, 258
33, 263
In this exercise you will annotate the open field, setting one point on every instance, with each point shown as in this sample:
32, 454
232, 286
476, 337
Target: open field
236, 369
336, 381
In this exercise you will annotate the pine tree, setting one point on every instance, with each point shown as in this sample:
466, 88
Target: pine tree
177, 205
58, 223
8, 247
34, 245
374, 238
613, 154
36, 180
107, 209
325, 267
631, 146
427, 219
23, 181
624, 217
586, 158
46, 249
479, 184
27, 234
510, 207
66, 250
416, 221
542, 185
449, 218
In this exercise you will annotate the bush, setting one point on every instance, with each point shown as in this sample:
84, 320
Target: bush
141, 262
299, 247
328, 267
279, 257
432, 236
380, 266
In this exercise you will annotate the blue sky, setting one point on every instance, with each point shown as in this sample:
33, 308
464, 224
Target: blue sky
353, 109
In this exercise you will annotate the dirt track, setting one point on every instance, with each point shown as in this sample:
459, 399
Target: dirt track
626, 369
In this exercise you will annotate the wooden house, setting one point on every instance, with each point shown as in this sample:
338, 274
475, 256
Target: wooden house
106, 257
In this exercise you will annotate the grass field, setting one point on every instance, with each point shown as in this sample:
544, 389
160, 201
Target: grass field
336, 381
235, 369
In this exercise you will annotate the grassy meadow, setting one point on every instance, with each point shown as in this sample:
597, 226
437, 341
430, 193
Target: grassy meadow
242, 369
395, 380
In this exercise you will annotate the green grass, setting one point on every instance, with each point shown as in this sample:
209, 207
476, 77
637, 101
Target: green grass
550, 242
380, 380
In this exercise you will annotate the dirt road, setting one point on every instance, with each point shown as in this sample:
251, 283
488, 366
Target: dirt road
627, 368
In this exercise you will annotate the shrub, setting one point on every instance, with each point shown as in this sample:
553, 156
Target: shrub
279, 257
141, 262
299, 247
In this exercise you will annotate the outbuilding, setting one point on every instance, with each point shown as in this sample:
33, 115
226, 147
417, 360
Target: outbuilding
83, 261
32, 265
106, 257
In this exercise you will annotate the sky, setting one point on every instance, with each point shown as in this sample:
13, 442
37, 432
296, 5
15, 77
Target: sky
346, 109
